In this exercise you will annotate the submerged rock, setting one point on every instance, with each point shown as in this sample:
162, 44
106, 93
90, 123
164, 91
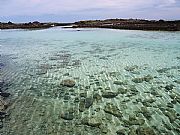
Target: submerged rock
76, 100
138, 80
83, 94
88, 102
104, 129
145, 112
169, 87
122, 90
170, 105
121, 132
163, 70
113, 110
177, 81
171, 114
85, 103
92, 121
151, 100
135, 121
97, 97
120, 82
41, 71
3, 104
5, 94
66, 74
154, 91
131, 68
67, 116
2, 116
147, 78
68, 83
145, 131
82, 105
109, 94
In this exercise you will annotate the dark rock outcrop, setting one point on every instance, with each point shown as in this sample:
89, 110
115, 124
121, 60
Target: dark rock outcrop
30, 25
131, 24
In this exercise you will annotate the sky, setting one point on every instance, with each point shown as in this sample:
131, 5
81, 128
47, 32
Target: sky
74, 10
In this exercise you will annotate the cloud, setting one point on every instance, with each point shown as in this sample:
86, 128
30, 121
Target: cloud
101, 8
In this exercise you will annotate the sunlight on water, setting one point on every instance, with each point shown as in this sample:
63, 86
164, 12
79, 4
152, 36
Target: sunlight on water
90, 81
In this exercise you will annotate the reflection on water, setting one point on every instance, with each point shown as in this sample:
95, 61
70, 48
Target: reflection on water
93, 81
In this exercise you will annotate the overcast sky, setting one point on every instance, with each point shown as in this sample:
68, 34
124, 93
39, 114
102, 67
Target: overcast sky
73, 10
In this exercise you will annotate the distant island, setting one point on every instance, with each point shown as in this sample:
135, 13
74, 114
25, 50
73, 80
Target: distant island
130, 24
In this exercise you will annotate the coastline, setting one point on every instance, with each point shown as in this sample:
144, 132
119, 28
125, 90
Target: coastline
126, 24
90, 82
30, 25
131, 24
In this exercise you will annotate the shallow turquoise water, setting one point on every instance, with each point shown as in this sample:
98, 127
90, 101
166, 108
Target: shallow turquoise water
100, 61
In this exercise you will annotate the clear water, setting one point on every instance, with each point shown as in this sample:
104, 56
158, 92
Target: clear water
37, 61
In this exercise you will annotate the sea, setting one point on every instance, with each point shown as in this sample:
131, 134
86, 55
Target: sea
90, 81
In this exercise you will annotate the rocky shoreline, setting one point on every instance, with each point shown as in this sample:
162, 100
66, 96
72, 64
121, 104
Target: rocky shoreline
128, 24
131, 24
30, 25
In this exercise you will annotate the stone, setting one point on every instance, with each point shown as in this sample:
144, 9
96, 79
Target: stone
85, 103
172, 95
109, 94
145, 131
122, 90
132, 131
82, 105
2, 65
169, 87
131, 68
138, 80
97, 97
92, 121
3, 105
171, 114
68, 83
170, 105
67, 116
113, 110
120, 83
121, 132
135, 121
88, 102
2, 115
76, 100
147, 78
145, 112
151, 100
66, 74
5, 94
84, 94
163, 70
104, 128
174, 101
177, 81
154, 92
132, 88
